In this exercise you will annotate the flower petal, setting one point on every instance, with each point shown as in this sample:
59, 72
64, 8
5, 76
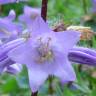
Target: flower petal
36, 78
5, 48
11, 16
22, 54
65, 73
94, 6
8, 28
6, 1
31, 11
13, 69
63, 69
4, 63
39, 27
29, 15
68, 39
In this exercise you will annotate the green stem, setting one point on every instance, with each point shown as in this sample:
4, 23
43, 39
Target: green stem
51, 91
0, 9
84, 6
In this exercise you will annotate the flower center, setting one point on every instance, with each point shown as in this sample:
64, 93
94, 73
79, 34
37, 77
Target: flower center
44, 51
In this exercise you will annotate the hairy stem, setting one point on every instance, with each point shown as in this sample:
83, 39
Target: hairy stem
44, 9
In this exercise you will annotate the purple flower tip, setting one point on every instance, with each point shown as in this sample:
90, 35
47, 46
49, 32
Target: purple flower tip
83, 55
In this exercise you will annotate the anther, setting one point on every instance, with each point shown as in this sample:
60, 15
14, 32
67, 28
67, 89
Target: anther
39, 39
49, 40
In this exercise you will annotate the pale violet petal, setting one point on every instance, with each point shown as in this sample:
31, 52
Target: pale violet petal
68, 39
36, 78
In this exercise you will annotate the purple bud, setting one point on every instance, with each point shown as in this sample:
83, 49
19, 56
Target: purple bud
83, 56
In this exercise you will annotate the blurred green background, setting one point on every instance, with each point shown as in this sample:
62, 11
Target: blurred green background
67, 9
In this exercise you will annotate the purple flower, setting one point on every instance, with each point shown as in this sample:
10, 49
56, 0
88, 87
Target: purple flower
94, 6
7, 1
13, 69
8, 29
5, 61
83, 55
45, 53
11, 16
29, 15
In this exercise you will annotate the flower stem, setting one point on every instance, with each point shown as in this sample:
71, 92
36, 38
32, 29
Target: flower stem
84, 6
44, 9
34, 94
51, 91
80, 68
0, 9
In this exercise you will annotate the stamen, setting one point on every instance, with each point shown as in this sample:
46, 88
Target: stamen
26, 35
5, 31
44, 51
49, 40
45, 57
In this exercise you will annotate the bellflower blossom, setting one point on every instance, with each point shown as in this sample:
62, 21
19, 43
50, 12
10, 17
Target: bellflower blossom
5, 61
8, 29
29, 15
83, 55
94, 6
45, 53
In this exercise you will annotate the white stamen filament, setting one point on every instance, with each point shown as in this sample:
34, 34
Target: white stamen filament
5, 31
